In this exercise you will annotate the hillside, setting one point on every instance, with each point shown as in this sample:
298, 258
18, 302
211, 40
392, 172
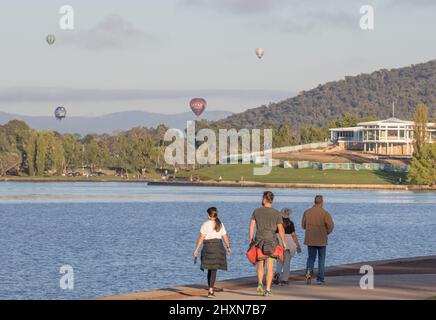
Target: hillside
111, 122
362, 95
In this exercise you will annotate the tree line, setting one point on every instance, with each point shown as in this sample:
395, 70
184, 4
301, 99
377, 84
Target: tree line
25, 150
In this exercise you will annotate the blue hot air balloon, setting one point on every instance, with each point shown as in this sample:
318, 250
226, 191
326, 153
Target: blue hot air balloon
60, 113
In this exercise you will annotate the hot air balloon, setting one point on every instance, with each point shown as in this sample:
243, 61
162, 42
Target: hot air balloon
198, 105
60, 113
50, 39
260, 52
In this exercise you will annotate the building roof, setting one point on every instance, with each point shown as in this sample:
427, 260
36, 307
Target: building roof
347, 129
394, 121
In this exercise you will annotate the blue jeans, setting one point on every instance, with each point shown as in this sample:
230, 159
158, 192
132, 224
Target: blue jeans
313, 251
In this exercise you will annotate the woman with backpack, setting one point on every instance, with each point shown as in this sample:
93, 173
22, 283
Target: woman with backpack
283, 269
213, 254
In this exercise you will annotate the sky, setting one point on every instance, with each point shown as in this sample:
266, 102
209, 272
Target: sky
157, 55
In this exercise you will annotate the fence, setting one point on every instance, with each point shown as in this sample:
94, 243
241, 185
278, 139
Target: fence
300, 147
344, 166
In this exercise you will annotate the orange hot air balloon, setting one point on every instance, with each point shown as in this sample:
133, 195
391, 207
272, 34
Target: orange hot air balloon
198, 105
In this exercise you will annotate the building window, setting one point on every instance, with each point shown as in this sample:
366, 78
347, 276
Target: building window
392, 134
402, 134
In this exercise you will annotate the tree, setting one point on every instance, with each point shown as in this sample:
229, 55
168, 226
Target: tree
49, 153
91, 154
9, 161
311, 134
72, 152
349, 120
30, 152
420, 129
283, 136
423, 167
56, 160
41, 152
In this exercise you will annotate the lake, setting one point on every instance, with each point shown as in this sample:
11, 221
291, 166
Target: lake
122, 237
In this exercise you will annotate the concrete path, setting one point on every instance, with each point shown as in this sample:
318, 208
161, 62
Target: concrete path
386, 287
410, 278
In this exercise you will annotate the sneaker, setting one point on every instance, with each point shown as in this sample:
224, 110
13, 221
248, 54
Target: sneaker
260, 290
211, 295
284, 283
268, 293
308, 278
276, 278
320, 282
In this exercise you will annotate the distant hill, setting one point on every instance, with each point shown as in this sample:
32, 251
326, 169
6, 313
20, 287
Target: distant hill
110, 122
362, 95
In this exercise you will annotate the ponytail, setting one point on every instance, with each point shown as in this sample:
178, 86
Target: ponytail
218, 224
213, 213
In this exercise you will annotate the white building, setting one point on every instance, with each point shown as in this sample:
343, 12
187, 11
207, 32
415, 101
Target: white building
392, 137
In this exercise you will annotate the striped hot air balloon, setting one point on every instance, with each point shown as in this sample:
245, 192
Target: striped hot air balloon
198, 105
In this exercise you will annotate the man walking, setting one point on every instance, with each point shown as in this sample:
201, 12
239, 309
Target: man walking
318, 224
266, 220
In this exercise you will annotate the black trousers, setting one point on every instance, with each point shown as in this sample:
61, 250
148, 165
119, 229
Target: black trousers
211, 278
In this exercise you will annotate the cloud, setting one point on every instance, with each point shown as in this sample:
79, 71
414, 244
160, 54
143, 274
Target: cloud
47, 94
414, 3
289, 16
315, 21
236, 6
112, 33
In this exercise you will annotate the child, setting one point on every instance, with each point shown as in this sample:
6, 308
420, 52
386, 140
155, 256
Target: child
213, 254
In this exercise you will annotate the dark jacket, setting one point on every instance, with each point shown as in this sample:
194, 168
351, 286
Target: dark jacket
213, 255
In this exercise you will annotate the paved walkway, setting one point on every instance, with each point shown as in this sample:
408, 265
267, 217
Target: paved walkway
412, 278
386, 287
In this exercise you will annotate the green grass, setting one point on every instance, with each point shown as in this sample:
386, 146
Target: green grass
280, 175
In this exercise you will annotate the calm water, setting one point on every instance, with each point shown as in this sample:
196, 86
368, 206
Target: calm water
132, 237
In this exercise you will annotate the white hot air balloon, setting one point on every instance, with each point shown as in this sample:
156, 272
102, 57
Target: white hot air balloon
50, 39
260, 52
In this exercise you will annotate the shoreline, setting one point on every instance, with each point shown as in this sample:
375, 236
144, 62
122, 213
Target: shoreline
419, 266
60, 180
230, 184
252, 184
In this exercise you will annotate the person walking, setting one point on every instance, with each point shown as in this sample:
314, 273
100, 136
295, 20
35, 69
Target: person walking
266, 220
283, 269
318, 224
213, 254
